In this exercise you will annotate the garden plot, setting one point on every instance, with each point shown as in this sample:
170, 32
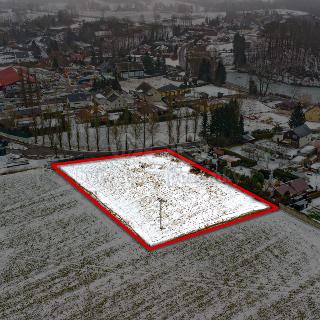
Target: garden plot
131, 188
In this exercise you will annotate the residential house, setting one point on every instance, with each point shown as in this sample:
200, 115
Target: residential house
111, 100
54, 103
298, 137
128, 70
79, 100
116, 102
103, 35
150, 108
291, 189
146, 92
170, 90
313, 114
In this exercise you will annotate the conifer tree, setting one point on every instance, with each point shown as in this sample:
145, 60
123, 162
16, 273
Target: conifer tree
239, 49
220, 74
297, 117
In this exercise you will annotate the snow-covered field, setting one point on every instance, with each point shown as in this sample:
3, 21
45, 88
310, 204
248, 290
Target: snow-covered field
132, 186
259, 115
156, 82
62, 258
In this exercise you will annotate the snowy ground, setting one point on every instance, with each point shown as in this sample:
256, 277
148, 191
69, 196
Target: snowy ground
259, 115
131, 186
61, 258
213, 91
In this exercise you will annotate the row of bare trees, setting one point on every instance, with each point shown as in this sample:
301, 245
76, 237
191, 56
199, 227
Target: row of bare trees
130, 131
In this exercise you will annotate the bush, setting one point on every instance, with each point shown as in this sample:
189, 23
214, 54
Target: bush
263, 134
266, 173
284, 176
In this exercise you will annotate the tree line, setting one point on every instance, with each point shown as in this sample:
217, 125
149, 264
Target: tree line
132, 130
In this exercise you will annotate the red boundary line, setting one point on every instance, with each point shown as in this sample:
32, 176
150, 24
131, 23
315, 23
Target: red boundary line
272, 207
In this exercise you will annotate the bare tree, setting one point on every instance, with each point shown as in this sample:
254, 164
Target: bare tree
85, 117
97, 126
42, 127
266, 68
125, 126
153, 126
35, 129
116, 135
145, 111
186, 124
170, 124
108, 134
50, 129
68, 126
77, 134
60, 128
137, 129
178, 124
196, 116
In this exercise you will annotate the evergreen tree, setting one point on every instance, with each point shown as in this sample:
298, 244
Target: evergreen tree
226, 124
55, 63
239, 50
205, 71
241, 125
220, 76
297, 117
116, 84
148, 64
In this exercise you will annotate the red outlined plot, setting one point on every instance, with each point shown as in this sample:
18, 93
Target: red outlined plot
270, 206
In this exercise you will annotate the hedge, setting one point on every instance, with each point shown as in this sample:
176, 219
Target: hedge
284, 176
262, 134
245, 162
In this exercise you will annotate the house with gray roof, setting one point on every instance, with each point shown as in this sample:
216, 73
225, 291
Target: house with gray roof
298, 137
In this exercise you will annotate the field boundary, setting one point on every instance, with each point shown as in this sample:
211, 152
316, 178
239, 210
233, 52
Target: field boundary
271, 207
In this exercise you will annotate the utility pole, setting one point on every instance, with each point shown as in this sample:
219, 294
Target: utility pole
161, 201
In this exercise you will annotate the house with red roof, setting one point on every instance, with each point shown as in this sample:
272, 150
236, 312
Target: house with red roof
13, 74
291, 189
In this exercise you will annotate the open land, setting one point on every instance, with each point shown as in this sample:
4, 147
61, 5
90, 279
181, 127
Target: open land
62, 258
132, 188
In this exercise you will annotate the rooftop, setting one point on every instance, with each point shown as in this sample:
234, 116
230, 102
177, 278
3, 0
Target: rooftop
302, 131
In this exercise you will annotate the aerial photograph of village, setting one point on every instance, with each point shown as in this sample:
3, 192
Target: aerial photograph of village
159, 159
